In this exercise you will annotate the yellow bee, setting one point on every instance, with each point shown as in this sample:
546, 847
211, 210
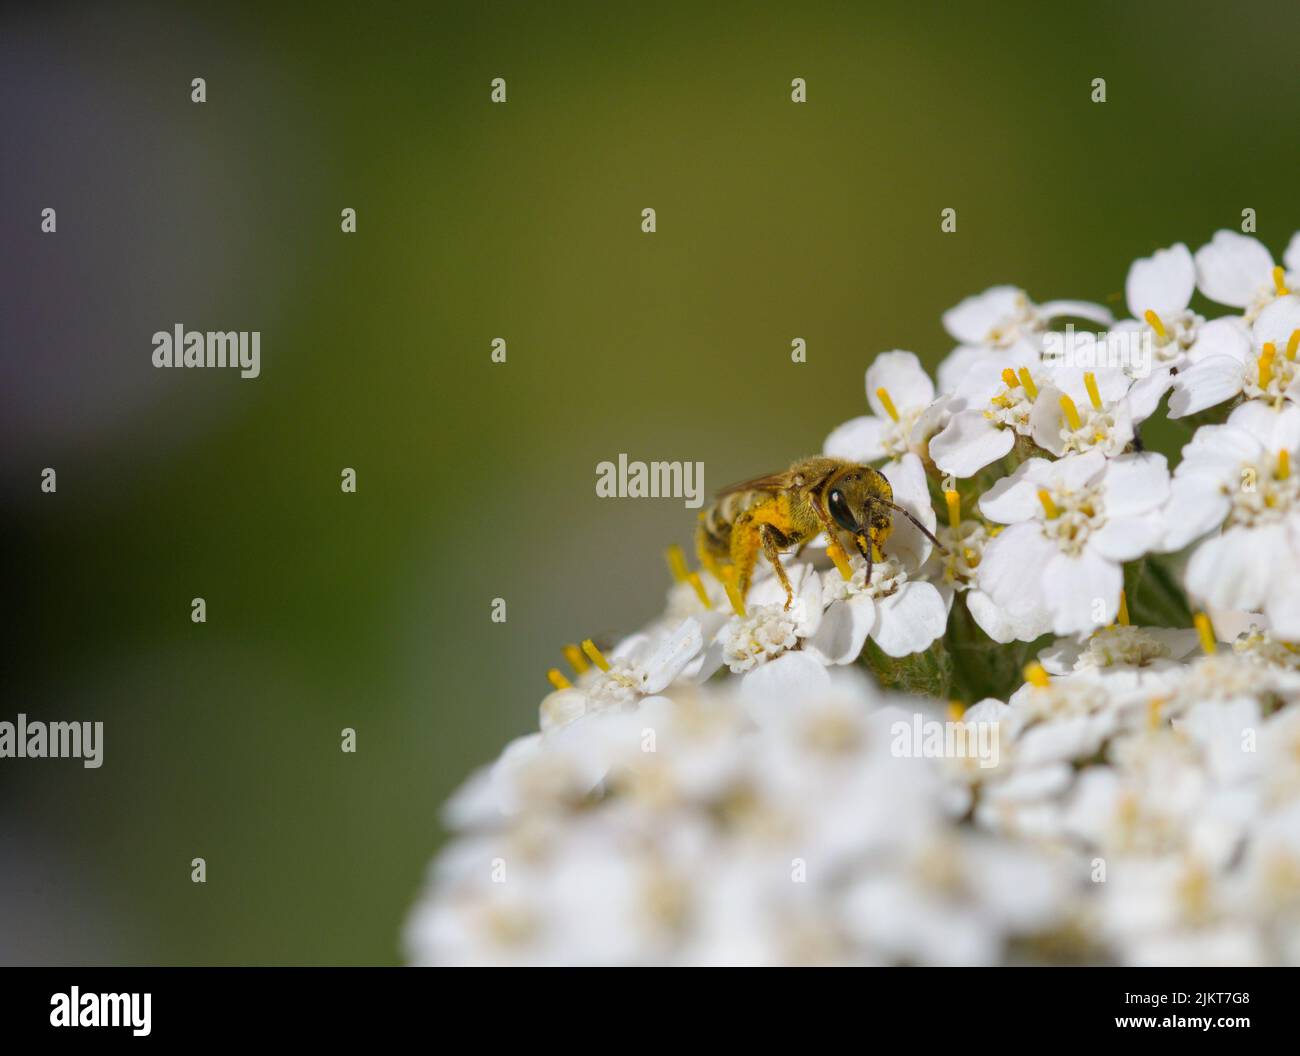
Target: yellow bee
784, 510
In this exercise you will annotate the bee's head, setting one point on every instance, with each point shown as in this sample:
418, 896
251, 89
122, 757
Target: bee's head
852, 498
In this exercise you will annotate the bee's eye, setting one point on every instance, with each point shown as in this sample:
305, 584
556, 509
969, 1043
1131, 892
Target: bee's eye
839, 508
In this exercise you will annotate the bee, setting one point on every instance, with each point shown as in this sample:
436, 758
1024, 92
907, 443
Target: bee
781, 511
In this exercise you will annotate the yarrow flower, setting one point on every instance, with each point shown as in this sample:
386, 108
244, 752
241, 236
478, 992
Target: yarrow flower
1010, 734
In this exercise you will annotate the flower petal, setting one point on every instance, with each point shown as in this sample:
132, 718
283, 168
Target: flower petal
1162, 283
902, 376
968, 443
1204, 384
909, 620
1232, 268
1082, 591
843, 630
857, 440
1135, 483
975, 318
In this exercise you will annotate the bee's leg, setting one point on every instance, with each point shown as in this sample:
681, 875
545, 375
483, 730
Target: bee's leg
773, 540
745, 543
709, 552
908, 514
833, 547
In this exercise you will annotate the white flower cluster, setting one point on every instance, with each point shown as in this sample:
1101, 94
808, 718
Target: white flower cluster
724, 788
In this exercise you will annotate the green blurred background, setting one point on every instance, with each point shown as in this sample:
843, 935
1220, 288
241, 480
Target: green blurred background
476, 480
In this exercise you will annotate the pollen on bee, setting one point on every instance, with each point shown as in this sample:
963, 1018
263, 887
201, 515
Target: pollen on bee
882, 394
841, 560
594, 654
1031, 390
733, 595
1266, 364
1090, 382
1154, 322
557, 679
1049, 507
1279, 281
1206, 631
954, 509
1036, 675
576, 660
1071, 412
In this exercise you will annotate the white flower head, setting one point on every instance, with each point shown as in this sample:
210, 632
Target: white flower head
1071, 524
1238, 477
1260, 364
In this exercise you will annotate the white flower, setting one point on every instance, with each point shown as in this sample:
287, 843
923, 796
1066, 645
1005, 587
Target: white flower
990, 407
1237, 270
999, 318
1002, 315
1130, 659
641, 666
1262, 367
899, 392
1083, 411
1071, 524
768, 628
901, 612
1238, 476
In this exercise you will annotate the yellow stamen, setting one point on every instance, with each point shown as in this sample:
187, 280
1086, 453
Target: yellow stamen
594, 654
1266, 364
1153, 711
1090, 382
1036, 675
1049, 507
1009, 376
876, 555
1123, 609
1283, 464
693, 578
883, 395
576, 660
1206, 630
954, 509
956, 709
840, 558
733, 594
1031, 390
1293, 345
677, 563
557, 679
1071, 412
1154, 322
1279, 280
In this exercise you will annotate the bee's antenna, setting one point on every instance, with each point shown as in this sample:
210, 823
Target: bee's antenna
908, 514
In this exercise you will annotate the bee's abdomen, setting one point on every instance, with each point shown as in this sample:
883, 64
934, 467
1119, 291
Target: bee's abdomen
717, 520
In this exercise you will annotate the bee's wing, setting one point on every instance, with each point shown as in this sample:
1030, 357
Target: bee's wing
772, 482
